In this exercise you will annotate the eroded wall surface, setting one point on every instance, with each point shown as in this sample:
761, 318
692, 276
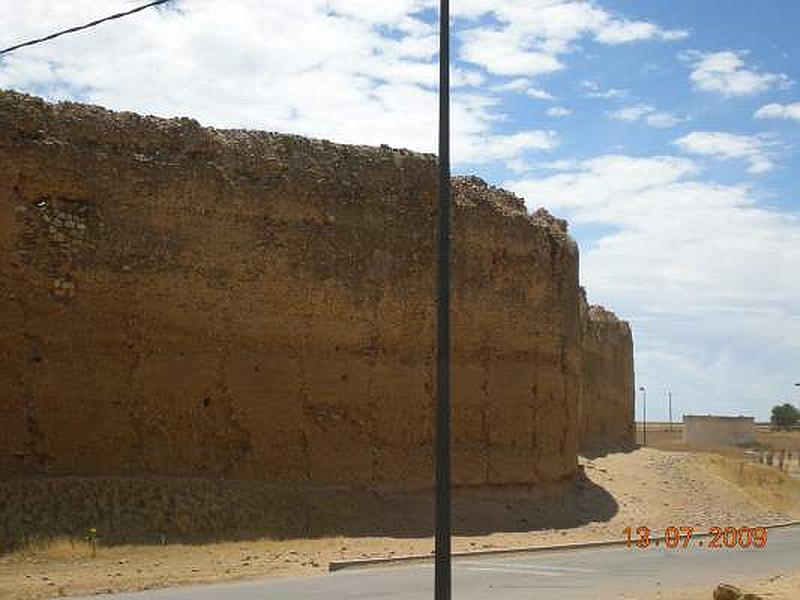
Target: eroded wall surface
177, 300
607, 400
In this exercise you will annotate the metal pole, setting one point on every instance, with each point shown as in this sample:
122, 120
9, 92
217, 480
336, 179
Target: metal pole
442, 520
670, 411
644, 415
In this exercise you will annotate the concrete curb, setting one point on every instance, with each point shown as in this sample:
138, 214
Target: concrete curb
338, 565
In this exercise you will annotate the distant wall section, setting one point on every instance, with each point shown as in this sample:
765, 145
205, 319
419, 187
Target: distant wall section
608, 389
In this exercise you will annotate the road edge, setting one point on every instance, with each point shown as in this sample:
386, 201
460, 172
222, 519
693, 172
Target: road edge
339, 565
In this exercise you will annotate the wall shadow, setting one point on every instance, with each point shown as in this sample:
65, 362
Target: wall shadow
192, 510
599, 451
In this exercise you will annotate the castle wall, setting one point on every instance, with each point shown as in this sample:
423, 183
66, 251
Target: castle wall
177, 300
608, 390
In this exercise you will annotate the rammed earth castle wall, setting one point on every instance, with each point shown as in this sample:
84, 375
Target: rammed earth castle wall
177, 300
608, 390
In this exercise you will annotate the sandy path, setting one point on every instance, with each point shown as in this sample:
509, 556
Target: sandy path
647, 487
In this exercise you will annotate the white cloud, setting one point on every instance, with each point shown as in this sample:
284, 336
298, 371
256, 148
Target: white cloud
520, 166
558, 111
519, 84
539, 94
558, 165
465, 78
726, 73
724, 146
523, 84
351, 70
609, 94
646, 114
620, 32
505, 147
502, 54
631, 113
686, 260
593, 90
354, 71
779, 111
663, 120
532, 34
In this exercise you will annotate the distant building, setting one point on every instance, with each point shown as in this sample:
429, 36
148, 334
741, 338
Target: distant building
712, 430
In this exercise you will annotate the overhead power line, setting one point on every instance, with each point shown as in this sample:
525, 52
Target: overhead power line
82, 27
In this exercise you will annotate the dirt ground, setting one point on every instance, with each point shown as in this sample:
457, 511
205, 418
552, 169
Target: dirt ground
781, 586
646, 487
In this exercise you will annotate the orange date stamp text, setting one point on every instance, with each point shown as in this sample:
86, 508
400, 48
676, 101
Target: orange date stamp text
687, 537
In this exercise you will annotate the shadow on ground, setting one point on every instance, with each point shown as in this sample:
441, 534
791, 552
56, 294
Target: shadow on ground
593, 452
159, 510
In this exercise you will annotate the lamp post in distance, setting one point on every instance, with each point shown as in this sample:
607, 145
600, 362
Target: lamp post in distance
644, 415
669, 400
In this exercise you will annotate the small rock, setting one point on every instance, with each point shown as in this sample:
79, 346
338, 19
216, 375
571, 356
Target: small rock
726, 591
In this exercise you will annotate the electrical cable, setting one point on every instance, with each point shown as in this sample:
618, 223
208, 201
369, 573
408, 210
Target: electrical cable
82, 27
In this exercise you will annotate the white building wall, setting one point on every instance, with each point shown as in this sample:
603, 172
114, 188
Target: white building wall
718, 431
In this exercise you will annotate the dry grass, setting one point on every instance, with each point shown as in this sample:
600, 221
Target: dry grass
779, 440
61, 568
768, 486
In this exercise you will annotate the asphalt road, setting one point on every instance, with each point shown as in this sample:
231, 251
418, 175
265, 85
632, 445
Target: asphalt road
595, 574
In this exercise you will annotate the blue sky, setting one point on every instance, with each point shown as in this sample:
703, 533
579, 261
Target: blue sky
665, 132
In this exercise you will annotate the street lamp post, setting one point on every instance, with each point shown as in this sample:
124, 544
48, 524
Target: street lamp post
669, 396
644, 415
442, 575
